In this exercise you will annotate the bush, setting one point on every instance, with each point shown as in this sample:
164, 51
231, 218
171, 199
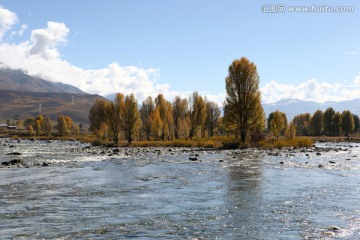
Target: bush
96, 143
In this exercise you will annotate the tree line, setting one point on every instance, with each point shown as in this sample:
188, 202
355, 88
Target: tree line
156, 119
195, 116
329, 123
44, 126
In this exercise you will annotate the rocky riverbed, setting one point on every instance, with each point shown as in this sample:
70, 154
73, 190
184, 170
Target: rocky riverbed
70, 190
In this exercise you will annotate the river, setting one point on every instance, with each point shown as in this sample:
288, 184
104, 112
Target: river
150, 193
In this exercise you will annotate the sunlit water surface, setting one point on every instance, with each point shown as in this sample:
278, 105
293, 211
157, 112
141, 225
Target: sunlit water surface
86, 194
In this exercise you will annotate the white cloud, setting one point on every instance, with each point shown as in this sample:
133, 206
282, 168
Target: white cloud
45, 41
7, 20
311, 90
357, 80
39, 56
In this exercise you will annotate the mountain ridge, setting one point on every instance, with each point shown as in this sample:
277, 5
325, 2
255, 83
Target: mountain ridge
23, 96
17, 80
293, 107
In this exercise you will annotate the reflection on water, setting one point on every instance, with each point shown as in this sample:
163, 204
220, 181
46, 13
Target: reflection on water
88, 194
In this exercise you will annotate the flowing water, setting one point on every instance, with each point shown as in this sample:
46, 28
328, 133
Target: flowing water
91, 193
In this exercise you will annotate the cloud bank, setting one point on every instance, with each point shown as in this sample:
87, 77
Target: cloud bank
311, 90
40, 56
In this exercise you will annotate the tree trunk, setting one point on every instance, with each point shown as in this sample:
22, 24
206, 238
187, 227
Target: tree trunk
243, 136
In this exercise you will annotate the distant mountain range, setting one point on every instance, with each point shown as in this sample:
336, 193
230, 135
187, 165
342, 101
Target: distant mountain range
16, 80
293, 107
23, 96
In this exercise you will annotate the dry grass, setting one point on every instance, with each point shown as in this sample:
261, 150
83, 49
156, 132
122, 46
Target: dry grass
295, 142
177, 143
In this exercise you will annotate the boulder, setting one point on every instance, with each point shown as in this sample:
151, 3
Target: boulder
13, 154
193, 158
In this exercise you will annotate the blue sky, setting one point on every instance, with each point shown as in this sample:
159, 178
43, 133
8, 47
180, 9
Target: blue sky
177, 47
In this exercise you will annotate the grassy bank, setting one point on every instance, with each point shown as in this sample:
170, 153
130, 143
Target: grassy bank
218, 142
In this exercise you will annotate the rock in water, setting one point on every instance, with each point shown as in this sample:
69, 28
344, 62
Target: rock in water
334, 228
14, 153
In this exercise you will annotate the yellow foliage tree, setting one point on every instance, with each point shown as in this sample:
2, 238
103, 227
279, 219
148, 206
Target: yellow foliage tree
242, 106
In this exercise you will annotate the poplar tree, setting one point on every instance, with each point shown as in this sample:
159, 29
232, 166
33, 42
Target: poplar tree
197, 113
180, 117
212, 117
277, 123
316, 123
347, 124
130, 116
336, 124
113, 116
327, 121
242, 106
147, 108
98, 116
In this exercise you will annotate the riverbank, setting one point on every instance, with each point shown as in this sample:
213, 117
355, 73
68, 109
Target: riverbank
217, 142
14, 156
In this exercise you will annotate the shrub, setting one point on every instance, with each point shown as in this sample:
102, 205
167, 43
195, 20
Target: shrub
96, 142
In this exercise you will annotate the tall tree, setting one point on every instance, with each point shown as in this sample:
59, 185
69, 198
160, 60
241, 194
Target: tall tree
291, 130
156, 124
242, 106
327, 121
336, 124
165, 111
197, 113
39, 125
356, 123
113, 116
130, 117
98, 116
347, 124
277, 123
62, 125
302, 124
180, 117
147, 108
316, 123
48, 125
65, 125
212, 117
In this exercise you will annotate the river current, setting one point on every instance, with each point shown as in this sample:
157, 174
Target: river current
150, 193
